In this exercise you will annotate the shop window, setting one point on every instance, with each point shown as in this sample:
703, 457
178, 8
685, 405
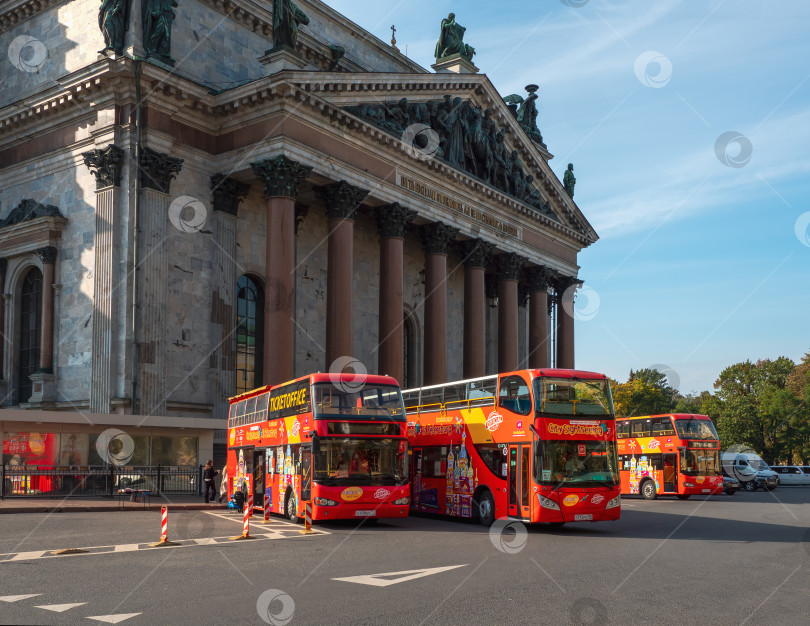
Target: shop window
249, 334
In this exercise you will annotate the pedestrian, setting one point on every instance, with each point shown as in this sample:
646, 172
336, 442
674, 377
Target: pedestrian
209, 473
223, 485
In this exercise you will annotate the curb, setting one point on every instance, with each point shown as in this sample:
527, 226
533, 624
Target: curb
100, 509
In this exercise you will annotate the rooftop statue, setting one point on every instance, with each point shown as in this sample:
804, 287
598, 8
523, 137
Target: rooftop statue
286, 18
158, 16
569, 181
527, 114
113, 20
451, 40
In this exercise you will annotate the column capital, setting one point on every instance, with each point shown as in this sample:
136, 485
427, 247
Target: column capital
437, 237
106, 164
47, 255
342, 199
280, 176
477, 252
539, 278
509, 266
227, 194
3, 266
393, 219
158, 169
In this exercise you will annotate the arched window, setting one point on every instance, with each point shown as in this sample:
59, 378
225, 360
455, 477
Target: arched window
249, 334
30, 331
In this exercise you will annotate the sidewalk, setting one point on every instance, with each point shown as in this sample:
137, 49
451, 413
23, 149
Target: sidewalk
100, 503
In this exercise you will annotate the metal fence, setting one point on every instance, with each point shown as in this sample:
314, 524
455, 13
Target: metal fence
99, 481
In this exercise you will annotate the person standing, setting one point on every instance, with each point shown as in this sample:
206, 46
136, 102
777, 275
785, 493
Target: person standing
209, 473
223, 485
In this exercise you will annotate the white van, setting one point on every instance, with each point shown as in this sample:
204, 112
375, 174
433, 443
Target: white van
739, 464
792, 474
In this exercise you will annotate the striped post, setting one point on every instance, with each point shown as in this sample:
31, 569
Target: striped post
250, 503
246, 523
307, 518
266, 511
164, 524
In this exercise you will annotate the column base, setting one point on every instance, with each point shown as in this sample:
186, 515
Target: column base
44, 388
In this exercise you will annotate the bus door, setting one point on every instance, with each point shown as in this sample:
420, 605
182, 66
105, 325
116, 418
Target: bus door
259, 458
519, 478
416, 476
670, 472
306, 472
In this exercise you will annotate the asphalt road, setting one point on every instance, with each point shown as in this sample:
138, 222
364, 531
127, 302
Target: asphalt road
724, 560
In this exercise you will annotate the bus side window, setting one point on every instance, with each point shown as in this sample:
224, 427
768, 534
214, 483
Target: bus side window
640, 428
623, 430
514, 395
666, 426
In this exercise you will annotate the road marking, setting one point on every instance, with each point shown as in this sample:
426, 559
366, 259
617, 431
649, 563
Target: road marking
59, 608
377, 580
18, 598
21, 556
113, 619
205, 541
126, 547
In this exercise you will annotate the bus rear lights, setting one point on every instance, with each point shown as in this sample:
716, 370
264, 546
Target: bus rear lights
614, 502
325, 502
548, 504
401, 501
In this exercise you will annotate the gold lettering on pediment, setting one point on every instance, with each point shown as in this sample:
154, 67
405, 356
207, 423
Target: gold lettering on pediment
451, 203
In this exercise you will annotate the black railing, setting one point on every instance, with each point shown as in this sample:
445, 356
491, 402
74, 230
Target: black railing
99, 481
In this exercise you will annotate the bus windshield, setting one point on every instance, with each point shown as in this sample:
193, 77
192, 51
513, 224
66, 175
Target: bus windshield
695, 429
362, 462
700, 462
572, 396
344, 398
580, 463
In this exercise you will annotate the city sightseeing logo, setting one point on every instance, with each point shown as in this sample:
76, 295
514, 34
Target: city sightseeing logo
296, 428
382, 494
494, 420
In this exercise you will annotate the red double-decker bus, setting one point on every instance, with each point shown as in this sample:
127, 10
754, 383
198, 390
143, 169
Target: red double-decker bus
674, 454
532, 445
338, 440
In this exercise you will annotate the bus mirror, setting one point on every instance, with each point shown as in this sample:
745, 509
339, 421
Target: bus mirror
316, 443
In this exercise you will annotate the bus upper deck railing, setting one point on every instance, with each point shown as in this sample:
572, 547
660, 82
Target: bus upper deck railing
98, 480
452, 405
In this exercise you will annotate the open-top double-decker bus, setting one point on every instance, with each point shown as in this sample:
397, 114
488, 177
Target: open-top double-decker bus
533, 445
673, 454
338, 440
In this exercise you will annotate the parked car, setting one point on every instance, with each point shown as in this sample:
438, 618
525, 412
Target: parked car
750, 479
792, 474
731, 485
740, 465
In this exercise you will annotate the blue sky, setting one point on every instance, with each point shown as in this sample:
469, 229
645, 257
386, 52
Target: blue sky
701, 263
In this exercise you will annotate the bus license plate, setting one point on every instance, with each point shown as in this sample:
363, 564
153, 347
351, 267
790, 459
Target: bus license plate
707, 491
583, 518
364, 513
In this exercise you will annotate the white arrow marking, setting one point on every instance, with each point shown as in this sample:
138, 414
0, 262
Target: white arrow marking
113, 619
377, 580
22, 556
60, 608
17, 598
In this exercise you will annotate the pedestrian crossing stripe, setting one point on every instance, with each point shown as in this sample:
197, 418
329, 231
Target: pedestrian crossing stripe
277, 531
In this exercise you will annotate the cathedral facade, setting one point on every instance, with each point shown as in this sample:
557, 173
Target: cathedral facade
198, 197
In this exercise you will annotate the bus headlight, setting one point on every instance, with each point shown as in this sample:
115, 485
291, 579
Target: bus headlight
401, 501
324, 502
548, 504
614, 502
689, 484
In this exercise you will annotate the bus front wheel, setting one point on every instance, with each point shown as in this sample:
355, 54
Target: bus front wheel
648, 490
486, 509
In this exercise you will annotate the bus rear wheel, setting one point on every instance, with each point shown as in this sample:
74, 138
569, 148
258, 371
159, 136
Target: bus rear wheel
648, 490
292, 511
485, 506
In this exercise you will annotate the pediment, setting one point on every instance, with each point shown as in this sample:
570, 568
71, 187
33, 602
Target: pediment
465, 124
